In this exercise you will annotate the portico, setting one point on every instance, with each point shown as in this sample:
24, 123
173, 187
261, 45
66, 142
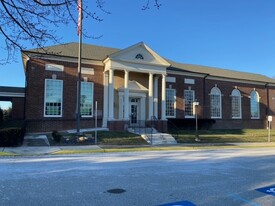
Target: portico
134, 79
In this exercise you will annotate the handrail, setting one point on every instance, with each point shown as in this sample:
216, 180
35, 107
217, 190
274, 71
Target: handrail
176, 129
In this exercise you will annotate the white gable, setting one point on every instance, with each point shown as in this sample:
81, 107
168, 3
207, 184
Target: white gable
134, 87
138, 57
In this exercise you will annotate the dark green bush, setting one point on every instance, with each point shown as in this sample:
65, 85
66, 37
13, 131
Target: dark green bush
1, 116
56, 136
12, 136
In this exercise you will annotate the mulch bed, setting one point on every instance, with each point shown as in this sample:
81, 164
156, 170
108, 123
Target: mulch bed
72, 141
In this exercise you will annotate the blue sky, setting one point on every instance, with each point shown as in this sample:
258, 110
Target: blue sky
235, 34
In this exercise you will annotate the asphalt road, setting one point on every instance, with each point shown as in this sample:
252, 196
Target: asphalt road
203, 178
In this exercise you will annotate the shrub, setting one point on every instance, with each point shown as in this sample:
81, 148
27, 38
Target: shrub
56, 136
12, 136
1, 116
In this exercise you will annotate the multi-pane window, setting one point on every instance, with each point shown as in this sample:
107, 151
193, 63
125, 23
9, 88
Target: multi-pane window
170, 103
254, 105
215, 103
189, 97
86, 107
236, 104
53, 98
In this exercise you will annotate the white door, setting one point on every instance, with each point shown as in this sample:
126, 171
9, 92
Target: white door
134, 111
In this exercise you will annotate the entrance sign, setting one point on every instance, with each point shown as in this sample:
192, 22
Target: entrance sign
269, 119
268, 190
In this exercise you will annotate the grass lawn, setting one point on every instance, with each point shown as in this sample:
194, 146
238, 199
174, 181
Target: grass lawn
183, 136
223, 136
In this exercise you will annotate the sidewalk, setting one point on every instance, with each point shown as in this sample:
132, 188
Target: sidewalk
26, 150
39, 145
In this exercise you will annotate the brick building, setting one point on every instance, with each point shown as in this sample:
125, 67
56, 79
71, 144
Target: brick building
136, 86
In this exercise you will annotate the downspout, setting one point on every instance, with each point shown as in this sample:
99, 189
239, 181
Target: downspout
267, 97
27, 65
204, 94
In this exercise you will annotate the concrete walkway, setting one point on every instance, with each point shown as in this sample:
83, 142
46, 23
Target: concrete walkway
26, 150
39, 145
44, 150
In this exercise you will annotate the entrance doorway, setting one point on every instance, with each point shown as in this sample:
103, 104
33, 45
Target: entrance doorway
134, 111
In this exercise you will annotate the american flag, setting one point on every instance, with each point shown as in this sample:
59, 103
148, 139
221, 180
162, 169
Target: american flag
79, 23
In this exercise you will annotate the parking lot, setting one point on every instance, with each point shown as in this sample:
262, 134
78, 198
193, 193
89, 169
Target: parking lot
199, 177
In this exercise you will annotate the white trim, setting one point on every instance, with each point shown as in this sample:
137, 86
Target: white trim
162, 61
184, 73
236, 80
54, 67
105, 99
12, 94
240, 106
220, 106
87, 70
91, 83
174, 106
64, 59
189, 81
259, 115
44, 110
171, 79
193, 111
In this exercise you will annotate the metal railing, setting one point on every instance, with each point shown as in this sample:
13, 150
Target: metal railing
173, 129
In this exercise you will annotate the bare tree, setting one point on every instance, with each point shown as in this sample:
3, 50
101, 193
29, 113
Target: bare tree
31, 22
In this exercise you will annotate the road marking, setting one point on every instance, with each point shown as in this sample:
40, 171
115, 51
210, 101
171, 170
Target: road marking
267, 190
182, 203
237, 197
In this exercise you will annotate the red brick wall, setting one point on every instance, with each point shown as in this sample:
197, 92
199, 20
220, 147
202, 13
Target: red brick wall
18, 108
202, 91
36, 75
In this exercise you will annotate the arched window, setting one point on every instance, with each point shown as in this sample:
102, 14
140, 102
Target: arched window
254, 105
215, 103
139, 56
236, 104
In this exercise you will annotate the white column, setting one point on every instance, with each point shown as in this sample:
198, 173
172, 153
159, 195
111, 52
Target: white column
156, 96
150, 96
111, 95
143, 108
105, 100
126, 95
163, 97
120, 105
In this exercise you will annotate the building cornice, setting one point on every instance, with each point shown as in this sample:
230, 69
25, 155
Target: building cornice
63, 58
12, 94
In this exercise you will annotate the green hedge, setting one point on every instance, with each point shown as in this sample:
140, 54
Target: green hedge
12, 136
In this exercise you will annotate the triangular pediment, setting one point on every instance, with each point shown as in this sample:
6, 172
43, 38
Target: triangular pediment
140, 54
134, 86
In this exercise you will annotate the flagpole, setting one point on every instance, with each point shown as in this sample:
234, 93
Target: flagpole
80, 17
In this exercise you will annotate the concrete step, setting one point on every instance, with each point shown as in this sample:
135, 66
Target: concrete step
159, 139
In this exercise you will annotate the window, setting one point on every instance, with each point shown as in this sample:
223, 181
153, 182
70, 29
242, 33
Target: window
215, 103
86, 107
139, 56
189, 96
170, 103
236, 104
53, 98
254, 105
